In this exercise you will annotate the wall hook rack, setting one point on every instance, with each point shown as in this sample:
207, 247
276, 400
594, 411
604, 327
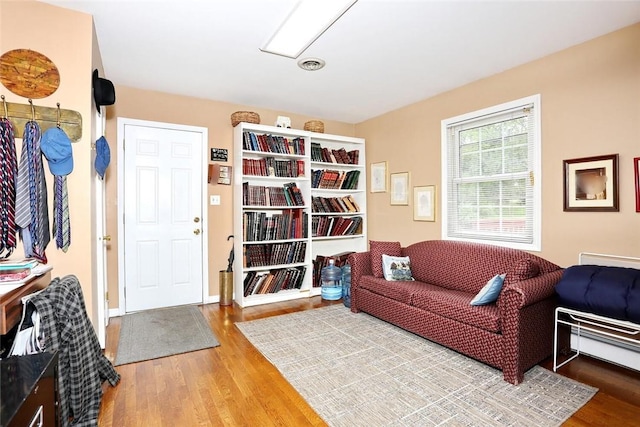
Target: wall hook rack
69, 121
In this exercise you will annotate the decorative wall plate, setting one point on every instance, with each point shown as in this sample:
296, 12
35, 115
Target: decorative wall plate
28, 73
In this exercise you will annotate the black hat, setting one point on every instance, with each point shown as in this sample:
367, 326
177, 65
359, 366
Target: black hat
103, 91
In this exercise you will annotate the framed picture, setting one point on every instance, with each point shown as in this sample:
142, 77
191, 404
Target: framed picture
379, 177
591, 184
424, 203
399, 188
636, 168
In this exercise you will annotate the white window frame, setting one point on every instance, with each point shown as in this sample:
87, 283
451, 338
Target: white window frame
536, 244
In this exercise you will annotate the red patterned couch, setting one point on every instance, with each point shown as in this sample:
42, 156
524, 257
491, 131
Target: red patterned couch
512, 334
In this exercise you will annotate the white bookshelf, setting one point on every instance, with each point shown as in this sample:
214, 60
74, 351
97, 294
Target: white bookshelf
326, 245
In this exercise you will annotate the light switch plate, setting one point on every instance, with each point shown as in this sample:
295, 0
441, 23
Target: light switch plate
214, 200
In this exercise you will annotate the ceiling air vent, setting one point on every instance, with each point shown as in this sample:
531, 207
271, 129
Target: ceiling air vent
311, 64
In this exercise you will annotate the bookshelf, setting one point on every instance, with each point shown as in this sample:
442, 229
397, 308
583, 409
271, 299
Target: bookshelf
338, 217
274, 213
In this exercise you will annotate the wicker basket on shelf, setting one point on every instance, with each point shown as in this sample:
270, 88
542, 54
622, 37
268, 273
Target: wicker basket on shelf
244, 116
314, 126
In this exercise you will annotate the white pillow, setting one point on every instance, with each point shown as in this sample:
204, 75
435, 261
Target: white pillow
490, 292
396, 267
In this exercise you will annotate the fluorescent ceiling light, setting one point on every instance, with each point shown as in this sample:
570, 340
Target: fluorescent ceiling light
308, 20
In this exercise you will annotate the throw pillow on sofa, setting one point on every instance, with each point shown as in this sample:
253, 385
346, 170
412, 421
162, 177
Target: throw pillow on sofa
523, 269
396, 268
377, 249
490, 292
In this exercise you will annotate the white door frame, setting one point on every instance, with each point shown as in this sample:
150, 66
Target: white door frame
122, 122
102, 312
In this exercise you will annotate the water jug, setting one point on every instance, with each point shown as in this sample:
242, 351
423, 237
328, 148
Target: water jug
331, 279
346, 285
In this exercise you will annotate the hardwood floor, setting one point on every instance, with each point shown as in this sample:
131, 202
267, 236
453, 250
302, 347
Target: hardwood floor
234, 385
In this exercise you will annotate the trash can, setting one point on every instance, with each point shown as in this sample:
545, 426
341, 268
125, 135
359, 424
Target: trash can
226, 288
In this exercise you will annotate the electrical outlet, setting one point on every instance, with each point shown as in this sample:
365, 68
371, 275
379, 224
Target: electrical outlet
214, 200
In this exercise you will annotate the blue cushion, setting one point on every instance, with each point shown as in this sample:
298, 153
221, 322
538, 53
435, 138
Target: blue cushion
608, 291
490, 292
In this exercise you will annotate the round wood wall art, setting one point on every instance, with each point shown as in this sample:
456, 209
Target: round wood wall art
28, 73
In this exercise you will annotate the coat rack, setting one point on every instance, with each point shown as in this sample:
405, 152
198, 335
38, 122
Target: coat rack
70, 121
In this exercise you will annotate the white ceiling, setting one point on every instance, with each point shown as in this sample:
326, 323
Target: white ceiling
381, 55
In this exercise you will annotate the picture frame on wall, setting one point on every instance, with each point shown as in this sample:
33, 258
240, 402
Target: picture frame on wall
399, 184
424, 203
378, 177
636, 169
591, 184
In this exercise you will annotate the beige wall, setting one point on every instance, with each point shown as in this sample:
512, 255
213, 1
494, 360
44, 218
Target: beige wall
215, 116
65, 37
590, 106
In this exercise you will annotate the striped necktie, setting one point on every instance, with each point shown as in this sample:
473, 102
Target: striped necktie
61, 222
31, 196
8, 172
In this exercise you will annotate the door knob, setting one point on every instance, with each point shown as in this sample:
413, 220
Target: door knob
106, 238
196, 219
196, 231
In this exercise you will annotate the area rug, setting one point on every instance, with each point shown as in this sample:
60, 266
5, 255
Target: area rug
356, 370
163, 332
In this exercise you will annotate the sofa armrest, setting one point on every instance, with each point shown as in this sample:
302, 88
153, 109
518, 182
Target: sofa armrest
360, 266
531, 291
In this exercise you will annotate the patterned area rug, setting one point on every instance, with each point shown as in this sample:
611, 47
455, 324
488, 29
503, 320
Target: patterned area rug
163, 332
356, 370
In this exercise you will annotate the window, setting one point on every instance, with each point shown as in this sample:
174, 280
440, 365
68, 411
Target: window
491, 175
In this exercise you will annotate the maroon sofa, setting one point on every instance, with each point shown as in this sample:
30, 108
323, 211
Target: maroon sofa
512, 334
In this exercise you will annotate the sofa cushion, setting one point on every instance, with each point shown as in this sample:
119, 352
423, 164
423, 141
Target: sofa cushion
522, 269
490, 292
396, 267
399, 291
455, 305
377, 249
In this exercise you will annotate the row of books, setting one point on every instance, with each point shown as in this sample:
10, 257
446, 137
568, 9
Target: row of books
274, 254
336, 226
269, 166
342, 156
322, 261
333, 179
334, 204
260, 195
290, 224
274, 281
272, 143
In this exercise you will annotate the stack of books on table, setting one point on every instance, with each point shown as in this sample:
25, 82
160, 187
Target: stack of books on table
16, 270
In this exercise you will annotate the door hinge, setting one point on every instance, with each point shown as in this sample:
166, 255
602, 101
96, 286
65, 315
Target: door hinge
106, 296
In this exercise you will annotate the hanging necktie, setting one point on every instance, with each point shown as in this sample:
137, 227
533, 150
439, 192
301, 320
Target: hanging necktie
61, 222
8, 172
31, 196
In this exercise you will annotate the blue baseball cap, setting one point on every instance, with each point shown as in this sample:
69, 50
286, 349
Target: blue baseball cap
56, 147
103, 156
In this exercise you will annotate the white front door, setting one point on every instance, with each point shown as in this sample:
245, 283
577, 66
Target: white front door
163, 216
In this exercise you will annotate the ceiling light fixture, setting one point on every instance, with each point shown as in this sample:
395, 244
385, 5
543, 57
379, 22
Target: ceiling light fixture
306, 22
311, 64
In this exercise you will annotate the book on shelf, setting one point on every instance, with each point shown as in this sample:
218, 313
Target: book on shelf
344, 204
266, 254
270, 166
272, 143
259, 226
324, 226
273, 281
338, 156
259, 195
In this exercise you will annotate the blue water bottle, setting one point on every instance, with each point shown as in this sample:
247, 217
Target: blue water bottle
331, 278
346, 285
